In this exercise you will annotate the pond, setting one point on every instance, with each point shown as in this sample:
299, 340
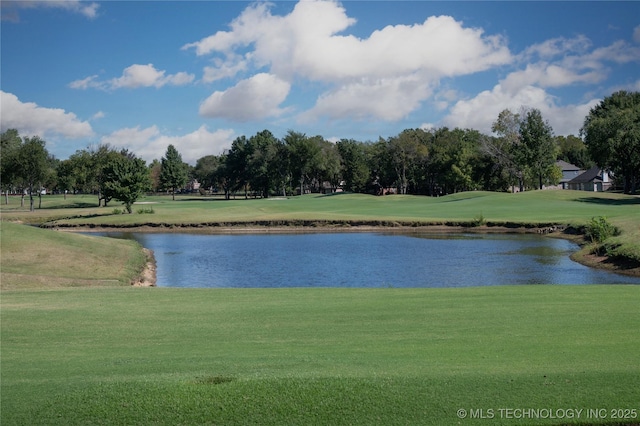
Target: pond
365, 260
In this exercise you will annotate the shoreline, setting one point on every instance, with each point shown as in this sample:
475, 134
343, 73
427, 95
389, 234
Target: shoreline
147, 277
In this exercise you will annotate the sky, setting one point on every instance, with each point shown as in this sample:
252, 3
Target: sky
197, 74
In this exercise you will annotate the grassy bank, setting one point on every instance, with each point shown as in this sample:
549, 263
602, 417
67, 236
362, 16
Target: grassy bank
317, 356
37, 258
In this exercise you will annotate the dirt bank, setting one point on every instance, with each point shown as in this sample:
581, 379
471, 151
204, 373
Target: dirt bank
147, 277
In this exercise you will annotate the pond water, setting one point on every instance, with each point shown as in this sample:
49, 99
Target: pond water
365, 260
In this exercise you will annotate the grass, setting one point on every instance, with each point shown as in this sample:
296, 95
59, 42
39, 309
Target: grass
315, 356
106, 353
528, 207
36, 258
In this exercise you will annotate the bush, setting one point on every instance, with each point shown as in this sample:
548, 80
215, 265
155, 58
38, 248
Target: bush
599, 229
148, 210
117, 211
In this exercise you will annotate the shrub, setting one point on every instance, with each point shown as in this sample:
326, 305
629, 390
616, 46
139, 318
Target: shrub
478, 220
117, 211
148, 210
599, 229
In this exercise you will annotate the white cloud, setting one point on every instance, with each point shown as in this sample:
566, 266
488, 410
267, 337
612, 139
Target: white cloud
254, 98
481, 111
30, 119
308, 44
134, 77
386, 99
554, 63
86, 83
223, 69
636, 34
89, 10
150, 143
98, 115
549, 75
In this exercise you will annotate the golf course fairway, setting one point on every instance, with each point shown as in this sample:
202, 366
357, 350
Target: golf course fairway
83, 347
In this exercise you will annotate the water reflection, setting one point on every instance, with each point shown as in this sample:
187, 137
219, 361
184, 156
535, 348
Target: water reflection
365, 260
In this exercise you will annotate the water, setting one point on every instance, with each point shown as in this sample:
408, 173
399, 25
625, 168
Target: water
365, 260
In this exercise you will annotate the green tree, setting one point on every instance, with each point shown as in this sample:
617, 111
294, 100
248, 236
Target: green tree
354, 164
303, 154
126, 179
206, 171
154, 173
66, 178
573, 150
611, 132
261, 167
537, 149
505, 147
173, 174
31, 165
10, 143
405, 151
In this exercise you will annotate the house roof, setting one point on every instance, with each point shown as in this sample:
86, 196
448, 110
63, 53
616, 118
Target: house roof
566, 167
590, 175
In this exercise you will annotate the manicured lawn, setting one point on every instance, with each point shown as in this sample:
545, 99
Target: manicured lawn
529, 207
106, 353
316, 356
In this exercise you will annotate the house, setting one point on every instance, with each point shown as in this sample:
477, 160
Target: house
569, 172
594, 179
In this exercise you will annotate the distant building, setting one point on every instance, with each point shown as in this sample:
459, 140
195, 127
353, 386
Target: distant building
569, 172
594, 179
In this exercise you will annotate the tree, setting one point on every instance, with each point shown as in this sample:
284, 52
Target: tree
261, 162
31, 165
154, 173
10, 143
126, 179
611, 132
537, 149
303, 153
405, 151
173, 174
206, 171
504, 148
573, 150
354, 165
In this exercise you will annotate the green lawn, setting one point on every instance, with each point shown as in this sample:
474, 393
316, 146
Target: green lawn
316, 356
107, 353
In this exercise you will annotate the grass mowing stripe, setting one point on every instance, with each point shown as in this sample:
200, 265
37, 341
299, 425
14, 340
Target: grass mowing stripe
267, 356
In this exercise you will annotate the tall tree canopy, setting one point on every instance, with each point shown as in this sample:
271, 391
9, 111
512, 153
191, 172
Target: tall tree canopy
612, 134
173, 173
538, 148
126, 179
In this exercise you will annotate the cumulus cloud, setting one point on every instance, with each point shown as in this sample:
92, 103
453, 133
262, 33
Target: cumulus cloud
482, 110
552, 64
134, 77
386, 99
149, 143
254, 98
10, 8
30, 119
309, 44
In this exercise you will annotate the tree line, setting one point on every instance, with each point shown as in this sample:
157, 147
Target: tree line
521, 154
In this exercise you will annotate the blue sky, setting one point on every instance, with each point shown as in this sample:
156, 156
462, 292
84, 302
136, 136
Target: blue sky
197, 74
